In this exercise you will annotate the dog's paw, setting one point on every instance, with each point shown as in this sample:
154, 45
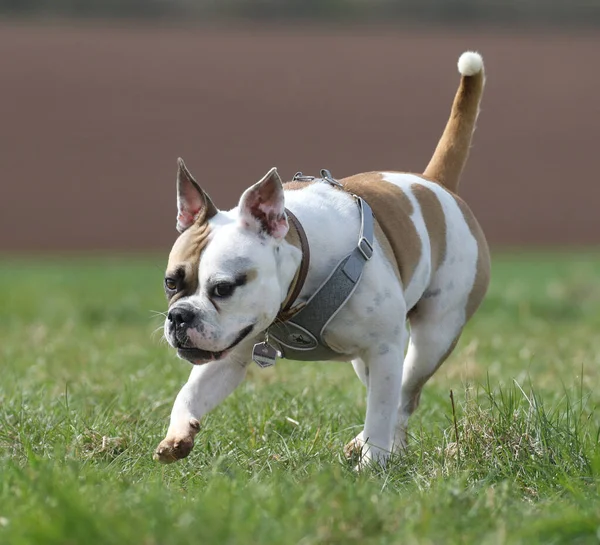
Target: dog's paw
172, 449
372, 458
363, 454
354, 449
178, 446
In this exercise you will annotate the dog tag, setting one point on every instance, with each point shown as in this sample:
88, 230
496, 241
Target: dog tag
264, 355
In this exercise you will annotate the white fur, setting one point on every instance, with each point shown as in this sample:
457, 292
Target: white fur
470, 63
370, 330
456, 274
442, 316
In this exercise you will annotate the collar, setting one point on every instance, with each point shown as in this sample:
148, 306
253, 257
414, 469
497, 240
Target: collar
297, 237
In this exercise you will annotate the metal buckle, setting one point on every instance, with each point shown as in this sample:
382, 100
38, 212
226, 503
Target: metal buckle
299, 177
365, 248
327, 177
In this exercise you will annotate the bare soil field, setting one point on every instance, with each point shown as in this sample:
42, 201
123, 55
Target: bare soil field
93, 117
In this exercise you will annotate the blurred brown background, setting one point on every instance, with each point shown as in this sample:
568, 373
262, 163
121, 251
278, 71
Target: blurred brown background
94, 114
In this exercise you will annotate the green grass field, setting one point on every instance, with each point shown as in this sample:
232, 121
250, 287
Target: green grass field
86, 388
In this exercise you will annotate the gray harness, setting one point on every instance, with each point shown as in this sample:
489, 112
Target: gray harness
300, 337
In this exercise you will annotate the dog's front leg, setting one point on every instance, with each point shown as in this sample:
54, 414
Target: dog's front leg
207, 386
383, 395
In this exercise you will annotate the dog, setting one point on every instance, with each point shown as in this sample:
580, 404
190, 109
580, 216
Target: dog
236, 279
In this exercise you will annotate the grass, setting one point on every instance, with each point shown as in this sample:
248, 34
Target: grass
86, 389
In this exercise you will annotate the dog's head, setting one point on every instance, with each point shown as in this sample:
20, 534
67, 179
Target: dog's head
228, 272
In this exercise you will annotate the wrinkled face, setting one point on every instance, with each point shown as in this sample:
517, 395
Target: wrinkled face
228, 272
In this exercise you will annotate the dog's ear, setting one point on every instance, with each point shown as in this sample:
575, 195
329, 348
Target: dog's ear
262, 206
193, 203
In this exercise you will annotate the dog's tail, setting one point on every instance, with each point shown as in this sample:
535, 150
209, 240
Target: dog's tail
450, 156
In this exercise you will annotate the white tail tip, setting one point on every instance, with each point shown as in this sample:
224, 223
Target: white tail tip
470, 63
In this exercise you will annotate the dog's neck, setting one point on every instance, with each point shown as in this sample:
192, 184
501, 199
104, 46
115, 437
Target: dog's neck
326, 215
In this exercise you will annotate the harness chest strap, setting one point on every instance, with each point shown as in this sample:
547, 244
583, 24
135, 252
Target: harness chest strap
298, 332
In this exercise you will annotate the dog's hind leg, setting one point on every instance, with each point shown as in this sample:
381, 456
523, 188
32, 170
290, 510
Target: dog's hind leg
437, 321
432, 339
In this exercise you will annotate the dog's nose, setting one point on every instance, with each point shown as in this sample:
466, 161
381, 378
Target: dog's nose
180, 315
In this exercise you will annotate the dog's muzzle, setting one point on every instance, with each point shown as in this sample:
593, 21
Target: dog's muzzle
180, 319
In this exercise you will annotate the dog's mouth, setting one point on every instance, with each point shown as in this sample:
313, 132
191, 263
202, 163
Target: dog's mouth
198, 356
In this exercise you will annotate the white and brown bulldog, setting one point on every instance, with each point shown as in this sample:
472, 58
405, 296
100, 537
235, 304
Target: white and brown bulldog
232, 274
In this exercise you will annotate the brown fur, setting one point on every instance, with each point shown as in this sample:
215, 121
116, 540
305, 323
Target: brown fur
452, 151
478, 291
295, 185
380, 235
435, 222
393, 209
185, 256
251, 274
387, 250
482, 276
394, 230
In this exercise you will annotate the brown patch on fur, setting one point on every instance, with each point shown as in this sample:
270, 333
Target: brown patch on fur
394, 229
295, 185
387, 250
478, 291
482, 276
393, 209
185, 257
251, 274
452, 151
435, 222
382, 196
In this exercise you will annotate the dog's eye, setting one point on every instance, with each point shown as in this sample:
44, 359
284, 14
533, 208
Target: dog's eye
170, 284
223, 289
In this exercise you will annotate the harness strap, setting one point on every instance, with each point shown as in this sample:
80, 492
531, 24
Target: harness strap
303, 331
